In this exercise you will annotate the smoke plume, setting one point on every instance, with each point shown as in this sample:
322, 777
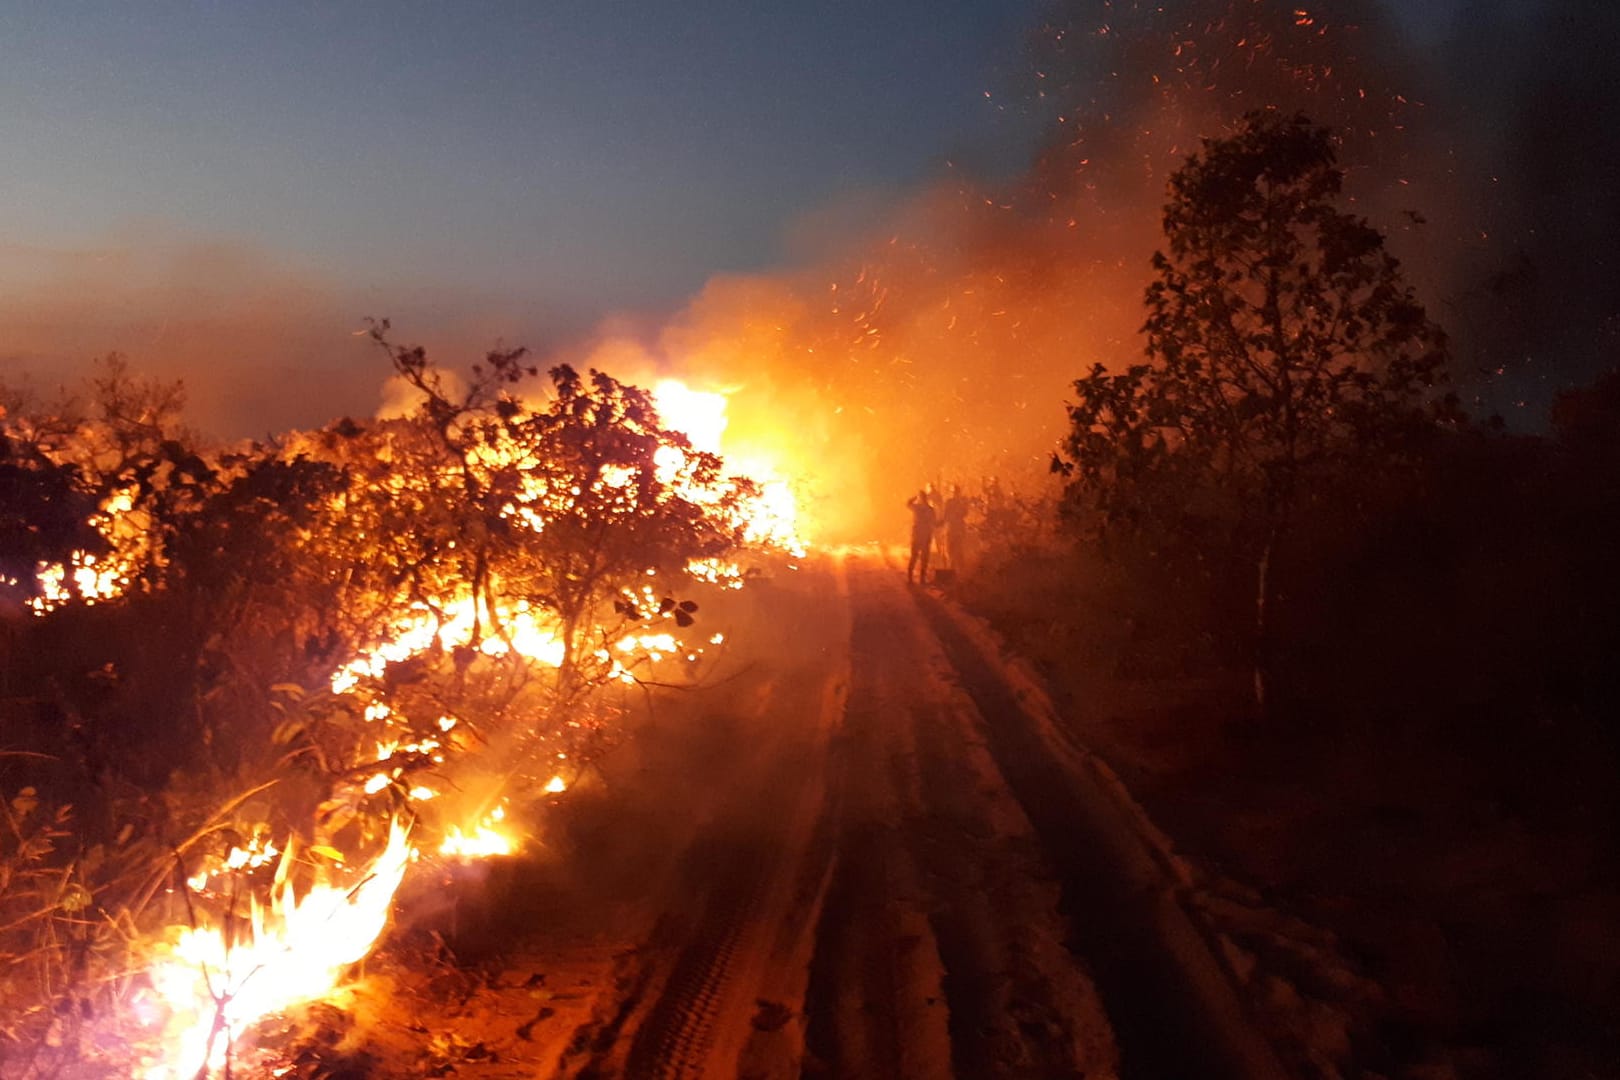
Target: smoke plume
936, 342
939, 346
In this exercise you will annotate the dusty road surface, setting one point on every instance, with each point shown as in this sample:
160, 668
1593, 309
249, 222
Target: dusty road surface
849, 856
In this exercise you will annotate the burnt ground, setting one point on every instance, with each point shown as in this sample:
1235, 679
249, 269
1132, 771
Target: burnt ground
856, 853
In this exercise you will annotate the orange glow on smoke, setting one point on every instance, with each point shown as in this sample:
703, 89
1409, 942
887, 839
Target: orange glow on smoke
772, 518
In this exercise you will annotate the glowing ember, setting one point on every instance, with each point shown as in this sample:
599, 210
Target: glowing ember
88, 577
526, 631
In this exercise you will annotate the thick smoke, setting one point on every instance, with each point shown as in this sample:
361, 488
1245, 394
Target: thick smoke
937, 344
940, 347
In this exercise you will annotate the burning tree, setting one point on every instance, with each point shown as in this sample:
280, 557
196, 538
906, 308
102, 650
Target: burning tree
573, 506
525, 533
478, 570
353, 619
44, 517
1284, 350
107, 453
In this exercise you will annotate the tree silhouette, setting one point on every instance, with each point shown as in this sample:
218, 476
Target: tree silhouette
1284, 348
44, 516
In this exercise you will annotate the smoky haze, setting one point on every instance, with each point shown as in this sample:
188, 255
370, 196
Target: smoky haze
939, 346
935, 343
254, 340
262, 344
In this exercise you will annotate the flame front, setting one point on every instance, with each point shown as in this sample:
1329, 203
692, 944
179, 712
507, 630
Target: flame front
91, 578
483, 840
218, 979
248, 953
771, 517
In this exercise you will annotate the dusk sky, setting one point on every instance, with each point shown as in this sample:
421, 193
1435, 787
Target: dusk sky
228, 189
590, 153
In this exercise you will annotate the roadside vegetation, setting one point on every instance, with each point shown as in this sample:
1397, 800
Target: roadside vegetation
1353, 650
1351, 647
233, 676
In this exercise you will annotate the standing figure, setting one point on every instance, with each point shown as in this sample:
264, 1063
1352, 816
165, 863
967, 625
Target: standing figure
922, 535
953, 515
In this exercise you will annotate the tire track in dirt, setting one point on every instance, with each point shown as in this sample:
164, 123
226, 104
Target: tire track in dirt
1171, 1017
874, 1002
690, 985
713, 990
1019, 1007
678, 1035
939, 951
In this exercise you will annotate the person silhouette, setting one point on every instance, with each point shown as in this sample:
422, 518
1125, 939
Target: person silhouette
953, 516
922, 535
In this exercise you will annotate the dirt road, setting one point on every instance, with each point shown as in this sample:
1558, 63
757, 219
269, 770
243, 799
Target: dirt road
848, 858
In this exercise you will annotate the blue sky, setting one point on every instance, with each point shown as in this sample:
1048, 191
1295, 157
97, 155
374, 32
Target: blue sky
225, 189
593, 153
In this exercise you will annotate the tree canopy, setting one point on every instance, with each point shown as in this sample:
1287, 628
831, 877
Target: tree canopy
1282, 343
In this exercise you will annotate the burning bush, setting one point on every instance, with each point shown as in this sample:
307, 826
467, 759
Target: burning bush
351, 620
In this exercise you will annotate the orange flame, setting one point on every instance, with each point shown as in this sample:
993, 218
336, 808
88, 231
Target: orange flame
215, 981
485, 839
772, 516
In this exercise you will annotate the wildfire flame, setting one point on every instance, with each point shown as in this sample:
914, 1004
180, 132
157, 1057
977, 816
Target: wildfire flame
87, 577
483, 840
770, 519
772, 516
217, 979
